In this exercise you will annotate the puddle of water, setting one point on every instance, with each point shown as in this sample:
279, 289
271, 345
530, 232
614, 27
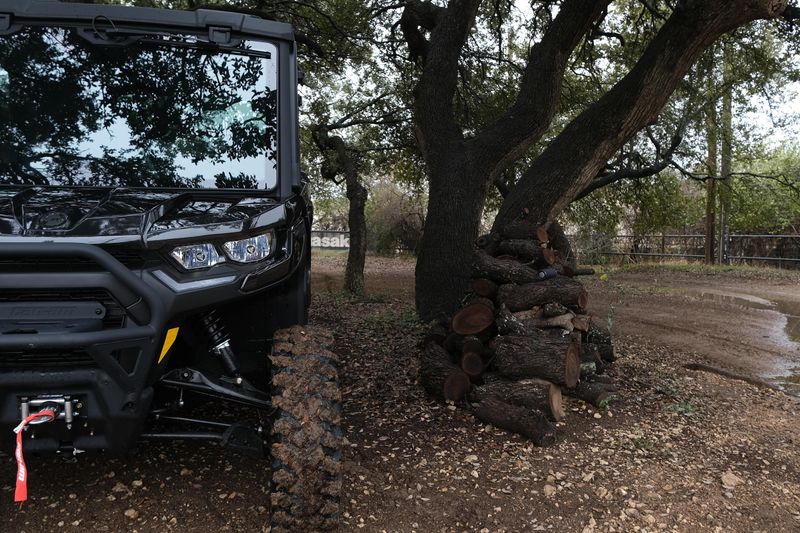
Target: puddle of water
791, 383
788, 379
791, 310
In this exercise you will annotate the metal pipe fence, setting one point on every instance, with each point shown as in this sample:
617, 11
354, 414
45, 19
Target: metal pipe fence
782, 250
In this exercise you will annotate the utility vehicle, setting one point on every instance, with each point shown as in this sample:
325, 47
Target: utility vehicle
154, 242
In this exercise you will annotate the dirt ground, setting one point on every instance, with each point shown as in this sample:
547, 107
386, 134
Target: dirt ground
679, 450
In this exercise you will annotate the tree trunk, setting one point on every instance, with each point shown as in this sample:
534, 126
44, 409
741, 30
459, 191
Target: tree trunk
711, 164
539, 356
452, 222
356, 255
531, 424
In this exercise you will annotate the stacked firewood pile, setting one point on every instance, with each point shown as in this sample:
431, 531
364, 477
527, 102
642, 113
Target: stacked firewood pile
521, 339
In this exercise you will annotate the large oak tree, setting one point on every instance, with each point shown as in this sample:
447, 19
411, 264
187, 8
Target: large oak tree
462, 162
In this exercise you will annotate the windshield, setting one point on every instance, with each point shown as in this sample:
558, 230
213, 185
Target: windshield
166, 111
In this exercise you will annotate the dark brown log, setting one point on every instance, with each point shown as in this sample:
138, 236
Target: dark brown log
582, 322
589, 353
508, 324
605, 380
439, 376
593, 393
538, 356
472, 319
527, 251
472, 364
563, 290
453, 342
552, 309
502, 270
485, 288
526, 422
456, 386
488, 243
532, 393
606, 352
472, 345
584, 271
475, 299
524, 229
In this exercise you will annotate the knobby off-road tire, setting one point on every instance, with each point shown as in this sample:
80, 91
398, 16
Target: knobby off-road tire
306, 438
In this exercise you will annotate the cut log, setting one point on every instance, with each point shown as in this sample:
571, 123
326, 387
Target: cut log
473, 319
532, 393
509, 324
453, 343
552, 309
488, 243
472, 364
593, 393
525, 230
561, 321
439, 376
502, 270
485, 288
475, 299
605, 380
527, 251
582, 322
535, 312
607, 352
584, 271
472, 345
531, 424
456, 386
538, 356
588, 368
563, 290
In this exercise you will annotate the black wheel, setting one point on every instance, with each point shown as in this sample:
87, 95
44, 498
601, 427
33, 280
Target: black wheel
306, 438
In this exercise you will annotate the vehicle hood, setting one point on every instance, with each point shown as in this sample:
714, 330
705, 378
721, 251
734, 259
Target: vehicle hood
150, 215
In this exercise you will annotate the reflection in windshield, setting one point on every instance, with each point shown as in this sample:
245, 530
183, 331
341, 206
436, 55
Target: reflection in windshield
75, 113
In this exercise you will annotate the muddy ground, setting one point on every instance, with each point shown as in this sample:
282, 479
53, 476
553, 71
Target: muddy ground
679, 450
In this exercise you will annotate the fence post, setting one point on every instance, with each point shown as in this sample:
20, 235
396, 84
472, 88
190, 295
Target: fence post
726, 246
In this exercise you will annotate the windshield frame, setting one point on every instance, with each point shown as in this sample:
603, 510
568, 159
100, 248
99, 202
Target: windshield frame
207, 25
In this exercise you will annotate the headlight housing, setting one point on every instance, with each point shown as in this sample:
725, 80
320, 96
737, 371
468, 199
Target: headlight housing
196, 256
250, 250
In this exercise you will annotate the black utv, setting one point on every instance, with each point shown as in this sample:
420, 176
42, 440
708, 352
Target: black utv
154, 243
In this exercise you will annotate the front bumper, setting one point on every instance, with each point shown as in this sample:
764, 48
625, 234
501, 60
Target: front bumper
111, 373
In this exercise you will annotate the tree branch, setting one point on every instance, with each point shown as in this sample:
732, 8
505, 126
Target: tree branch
506, 139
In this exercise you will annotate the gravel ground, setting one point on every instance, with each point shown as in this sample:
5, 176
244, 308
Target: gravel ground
678, 450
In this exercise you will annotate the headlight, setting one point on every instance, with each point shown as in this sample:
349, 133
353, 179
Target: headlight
249, 250
196, 256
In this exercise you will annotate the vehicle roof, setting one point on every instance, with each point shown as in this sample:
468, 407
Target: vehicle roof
28, 11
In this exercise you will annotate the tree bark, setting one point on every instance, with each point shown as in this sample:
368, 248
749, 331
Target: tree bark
562, 290
711, 168
538, 356
502, 270
439, 376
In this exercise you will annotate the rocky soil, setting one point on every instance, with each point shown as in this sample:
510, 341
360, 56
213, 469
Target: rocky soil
678, 450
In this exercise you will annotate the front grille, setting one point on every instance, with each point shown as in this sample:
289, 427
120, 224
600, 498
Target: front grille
45, 359
133, 259
115, 313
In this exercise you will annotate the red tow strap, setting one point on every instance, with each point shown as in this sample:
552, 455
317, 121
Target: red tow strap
45, 415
